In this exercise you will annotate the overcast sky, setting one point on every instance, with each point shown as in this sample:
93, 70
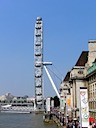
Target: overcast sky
67, 27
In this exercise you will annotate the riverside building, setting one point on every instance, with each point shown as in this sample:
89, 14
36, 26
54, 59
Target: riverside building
83, 74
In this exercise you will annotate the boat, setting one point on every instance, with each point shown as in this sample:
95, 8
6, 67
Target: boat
10, 108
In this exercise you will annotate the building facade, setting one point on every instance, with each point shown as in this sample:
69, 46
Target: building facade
83, 74
91, 78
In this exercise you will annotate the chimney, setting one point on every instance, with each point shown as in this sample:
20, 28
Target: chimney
92, 51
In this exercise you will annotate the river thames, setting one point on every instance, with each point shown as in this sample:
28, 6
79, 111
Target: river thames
10, 120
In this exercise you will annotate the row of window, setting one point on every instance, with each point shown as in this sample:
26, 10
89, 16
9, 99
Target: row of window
92, 87
92, 78
93, 115
92, 105
92, 95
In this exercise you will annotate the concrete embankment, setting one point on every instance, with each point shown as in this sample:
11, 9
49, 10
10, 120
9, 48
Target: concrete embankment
52, 118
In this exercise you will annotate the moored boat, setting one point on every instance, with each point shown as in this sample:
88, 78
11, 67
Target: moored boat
16, 108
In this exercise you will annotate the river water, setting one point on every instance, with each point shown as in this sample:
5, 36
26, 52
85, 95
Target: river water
10, 120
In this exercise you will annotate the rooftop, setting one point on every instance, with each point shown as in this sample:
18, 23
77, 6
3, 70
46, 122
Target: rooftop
82, 59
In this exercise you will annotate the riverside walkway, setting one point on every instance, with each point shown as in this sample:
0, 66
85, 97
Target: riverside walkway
55, 117
60, 120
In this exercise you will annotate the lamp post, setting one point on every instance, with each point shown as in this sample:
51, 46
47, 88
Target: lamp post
65, 108
66, 120
71, 92
75, 122
75, 117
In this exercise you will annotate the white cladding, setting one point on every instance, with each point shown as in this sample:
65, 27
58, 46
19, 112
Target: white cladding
48, 104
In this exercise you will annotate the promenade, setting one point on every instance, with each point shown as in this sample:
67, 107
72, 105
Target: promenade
63, 122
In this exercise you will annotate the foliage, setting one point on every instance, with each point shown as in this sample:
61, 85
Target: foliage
56, 101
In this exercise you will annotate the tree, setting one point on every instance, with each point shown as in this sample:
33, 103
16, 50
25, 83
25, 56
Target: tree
56, 101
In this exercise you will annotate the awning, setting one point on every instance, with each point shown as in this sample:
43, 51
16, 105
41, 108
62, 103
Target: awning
92, 119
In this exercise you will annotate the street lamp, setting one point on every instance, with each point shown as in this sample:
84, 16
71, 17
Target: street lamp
75, 119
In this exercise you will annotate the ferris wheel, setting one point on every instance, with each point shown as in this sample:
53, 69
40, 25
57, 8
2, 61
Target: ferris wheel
39, 64
38, 67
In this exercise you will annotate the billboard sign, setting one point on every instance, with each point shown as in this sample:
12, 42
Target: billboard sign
84, 108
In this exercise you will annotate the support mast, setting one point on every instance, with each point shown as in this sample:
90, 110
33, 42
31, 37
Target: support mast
53, 85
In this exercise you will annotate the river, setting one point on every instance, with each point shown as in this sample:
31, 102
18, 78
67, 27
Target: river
10, 120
